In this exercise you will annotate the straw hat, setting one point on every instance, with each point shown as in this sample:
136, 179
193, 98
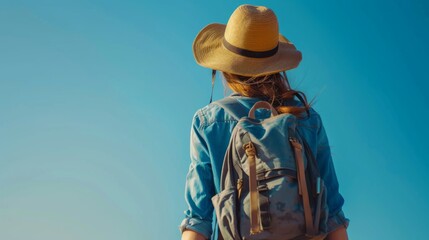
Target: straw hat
248, 45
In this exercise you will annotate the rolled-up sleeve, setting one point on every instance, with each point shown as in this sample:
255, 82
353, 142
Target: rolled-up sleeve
199, 186
335, 200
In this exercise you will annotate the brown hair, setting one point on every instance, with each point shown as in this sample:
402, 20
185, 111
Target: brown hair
273, 88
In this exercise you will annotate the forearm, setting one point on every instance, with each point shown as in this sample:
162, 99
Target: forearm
338, 234
191, 235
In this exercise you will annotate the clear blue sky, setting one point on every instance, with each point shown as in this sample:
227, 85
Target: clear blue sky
96, 101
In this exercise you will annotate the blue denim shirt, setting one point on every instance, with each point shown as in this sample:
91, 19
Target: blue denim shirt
210, 134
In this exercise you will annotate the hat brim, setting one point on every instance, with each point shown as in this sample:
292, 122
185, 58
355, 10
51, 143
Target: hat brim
209, 52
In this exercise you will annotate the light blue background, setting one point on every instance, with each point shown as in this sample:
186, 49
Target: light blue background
96, 101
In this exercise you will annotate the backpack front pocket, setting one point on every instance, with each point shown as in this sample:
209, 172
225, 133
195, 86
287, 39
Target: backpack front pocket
225, 205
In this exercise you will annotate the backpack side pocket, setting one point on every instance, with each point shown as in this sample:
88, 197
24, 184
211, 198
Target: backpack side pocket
225, 205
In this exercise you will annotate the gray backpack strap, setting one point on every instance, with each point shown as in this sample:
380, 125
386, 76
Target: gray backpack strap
237, 110
233, 107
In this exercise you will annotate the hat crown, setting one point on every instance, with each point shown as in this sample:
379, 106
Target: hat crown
253, 28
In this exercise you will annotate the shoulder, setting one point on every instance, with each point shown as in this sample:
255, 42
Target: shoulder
213, 113
314, 115
209, 115
310, 122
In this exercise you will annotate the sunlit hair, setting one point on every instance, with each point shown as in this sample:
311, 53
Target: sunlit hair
274, 88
